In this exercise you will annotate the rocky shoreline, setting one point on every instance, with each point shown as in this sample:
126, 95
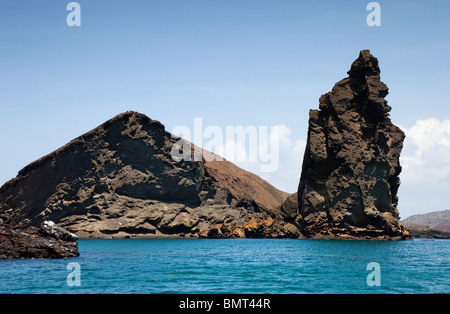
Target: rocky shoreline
45, 242
427, 233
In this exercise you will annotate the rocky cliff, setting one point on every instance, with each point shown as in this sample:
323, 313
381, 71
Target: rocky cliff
120, 180
350, 174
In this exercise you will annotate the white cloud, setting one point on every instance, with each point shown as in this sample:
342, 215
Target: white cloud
291, 151
279, 157
267, 151
425, 158
426, 154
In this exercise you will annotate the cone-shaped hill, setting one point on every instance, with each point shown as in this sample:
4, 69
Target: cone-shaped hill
120, 180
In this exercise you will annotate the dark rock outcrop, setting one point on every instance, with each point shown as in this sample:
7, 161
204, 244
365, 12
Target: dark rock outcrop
121, 180
424, 232
47, 241
350, 175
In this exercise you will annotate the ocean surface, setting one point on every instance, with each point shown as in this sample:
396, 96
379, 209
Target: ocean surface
237, 266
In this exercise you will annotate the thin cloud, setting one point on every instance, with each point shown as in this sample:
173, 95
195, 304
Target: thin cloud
286, 175
426, 153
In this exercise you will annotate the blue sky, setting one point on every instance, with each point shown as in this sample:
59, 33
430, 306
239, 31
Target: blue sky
234, 62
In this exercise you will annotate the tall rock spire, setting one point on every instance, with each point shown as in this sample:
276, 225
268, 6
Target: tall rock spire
350, 175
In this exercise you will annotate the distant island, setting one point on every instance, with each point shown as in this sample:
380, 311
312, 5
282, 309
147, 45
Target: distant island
431, 225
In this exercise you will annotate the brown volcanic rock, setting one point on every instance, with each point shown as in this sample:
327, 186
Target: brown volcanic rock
253, 226
350, 176
120, 180
247, 189
48, 241
443, 226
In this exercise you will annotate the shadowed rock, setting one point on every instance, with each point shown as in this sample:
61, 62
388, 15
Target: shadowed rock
47, 241
350, 174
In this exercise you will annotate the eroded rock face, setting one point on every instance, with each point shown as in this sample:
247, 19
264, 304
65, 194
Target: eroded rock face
254, 226
120, 180
350, 175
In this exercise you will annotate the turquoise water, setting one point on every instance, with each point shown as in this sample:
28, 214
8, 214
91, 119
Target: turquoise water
237, 266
